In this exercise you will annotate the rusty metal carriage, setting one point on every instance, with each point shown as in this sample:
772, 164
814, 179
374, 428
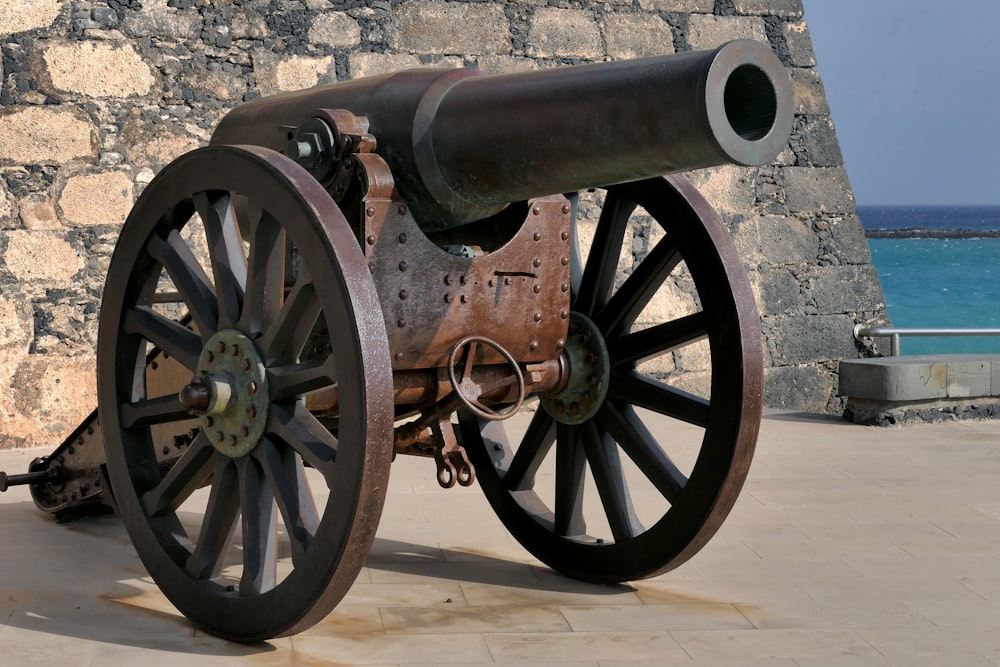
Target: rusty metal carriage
393, 266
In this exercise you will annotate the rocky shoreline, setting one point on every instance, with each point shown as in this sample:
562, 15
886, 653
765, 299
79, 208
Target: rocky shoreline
912, 233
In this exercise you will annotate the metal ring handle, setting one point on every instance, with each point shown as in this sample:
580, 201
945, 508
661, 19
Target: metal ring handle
472, 402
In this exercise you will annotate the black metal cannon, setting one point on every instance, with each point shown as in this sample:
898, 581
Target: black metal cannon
393, 266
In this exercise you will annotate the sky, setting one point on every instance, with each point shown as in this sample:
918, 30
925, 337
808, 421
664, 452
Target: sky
914, 92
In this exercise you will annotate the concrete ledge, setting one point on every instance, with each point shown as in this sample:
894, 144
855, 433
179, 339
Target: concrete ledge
890, 390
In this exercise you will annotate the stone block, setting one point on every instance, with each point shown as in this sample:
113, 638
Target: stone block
818, 190
38, 212
786, 240
698, 383
247, 24
564, 33
97, 69
969, 378
669, 303
46, 135
798, 388
706, 31
995, 377
8, 208
372, 64
275, 74
16, 325
681, 6
23, 15
25, 250
784, 8
158, 19
155, 146
452, 28
637, 36
223, 85
799, 43
779, 292
97, 198
850, 243
694, 357
335, 29
820, 141
810, 338
808, 93
46, 398
505, 64
729, 188
845, 289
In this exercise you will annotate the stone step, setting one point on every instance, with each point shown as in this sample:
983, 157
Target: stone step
890, 390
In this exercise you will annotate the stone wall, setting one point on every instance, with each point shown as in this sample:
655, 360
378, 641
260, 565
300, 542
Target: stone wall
97, 95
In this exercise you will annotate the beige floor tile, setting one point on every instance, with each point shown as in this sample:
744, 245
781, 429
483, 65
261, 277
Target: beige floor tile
931, 642
463, 620
584, 646
632, 618
26, 648
405, 595
349, 620
201, 650
803, 614
487, 571
492, 595
761, 644
390, 649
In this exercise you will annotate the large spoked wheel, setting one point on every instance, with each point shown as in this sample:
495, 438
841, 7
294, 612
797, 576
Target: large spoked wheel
264, 521
600, 486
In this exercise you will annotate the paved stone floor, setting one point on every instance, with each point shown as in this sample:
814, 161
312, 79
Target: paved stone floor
849, 546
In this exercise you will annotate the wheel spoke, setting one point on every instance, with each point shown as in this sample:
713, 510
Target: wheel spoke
265, 285
287, 336
178, 341
286, 382
286, 476
187, 474
606, 467
639, 444
189, 278
146, 412
570, 475
630, 387
602, 262
628, 301
298, 429
260, 539
631, 348
531, 452
225, 247
219, 522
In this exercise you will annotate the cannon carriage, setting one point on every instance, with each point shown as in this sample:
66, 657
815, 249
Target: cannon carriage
394, 266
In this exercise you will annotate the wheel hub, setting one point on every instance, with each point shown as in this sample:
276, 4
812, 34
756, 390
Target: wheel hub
229, 393
589, 372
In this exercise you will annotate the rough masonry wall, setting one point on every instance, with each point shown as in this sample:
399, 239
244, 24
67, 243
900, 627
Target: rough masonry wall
97, 95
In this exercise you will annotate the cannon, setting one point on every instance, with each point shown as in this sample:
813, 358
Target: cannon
395, 266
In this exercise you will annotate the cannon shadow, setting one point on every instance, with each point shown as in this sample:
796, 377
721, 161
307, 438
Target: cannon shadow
83, 580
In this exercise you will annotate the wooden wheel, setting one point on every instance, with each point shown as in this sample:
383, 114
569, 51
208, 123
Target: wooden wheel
290, 510
595, 488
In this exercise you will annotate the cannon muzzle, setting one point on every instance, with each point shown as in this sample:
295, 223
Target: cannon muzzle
462, 145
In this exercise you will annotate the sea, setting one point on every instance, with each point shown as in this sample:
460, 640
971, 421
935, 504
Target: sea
940, 268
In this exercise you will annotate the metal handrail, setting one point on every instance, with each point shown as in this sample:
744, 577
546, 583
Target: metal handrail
894, 333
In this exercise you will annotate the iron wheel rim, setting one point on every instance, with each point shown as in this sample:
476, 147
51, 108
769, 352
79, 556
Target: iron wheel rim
730, 417
328, 549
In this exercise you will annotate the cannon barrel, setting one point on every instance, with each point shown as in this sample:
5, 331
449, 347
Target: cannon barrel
462, 145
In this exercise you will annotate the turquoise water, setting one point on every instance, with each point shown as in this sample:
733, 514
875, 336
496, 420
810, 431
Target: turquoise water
951, 283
